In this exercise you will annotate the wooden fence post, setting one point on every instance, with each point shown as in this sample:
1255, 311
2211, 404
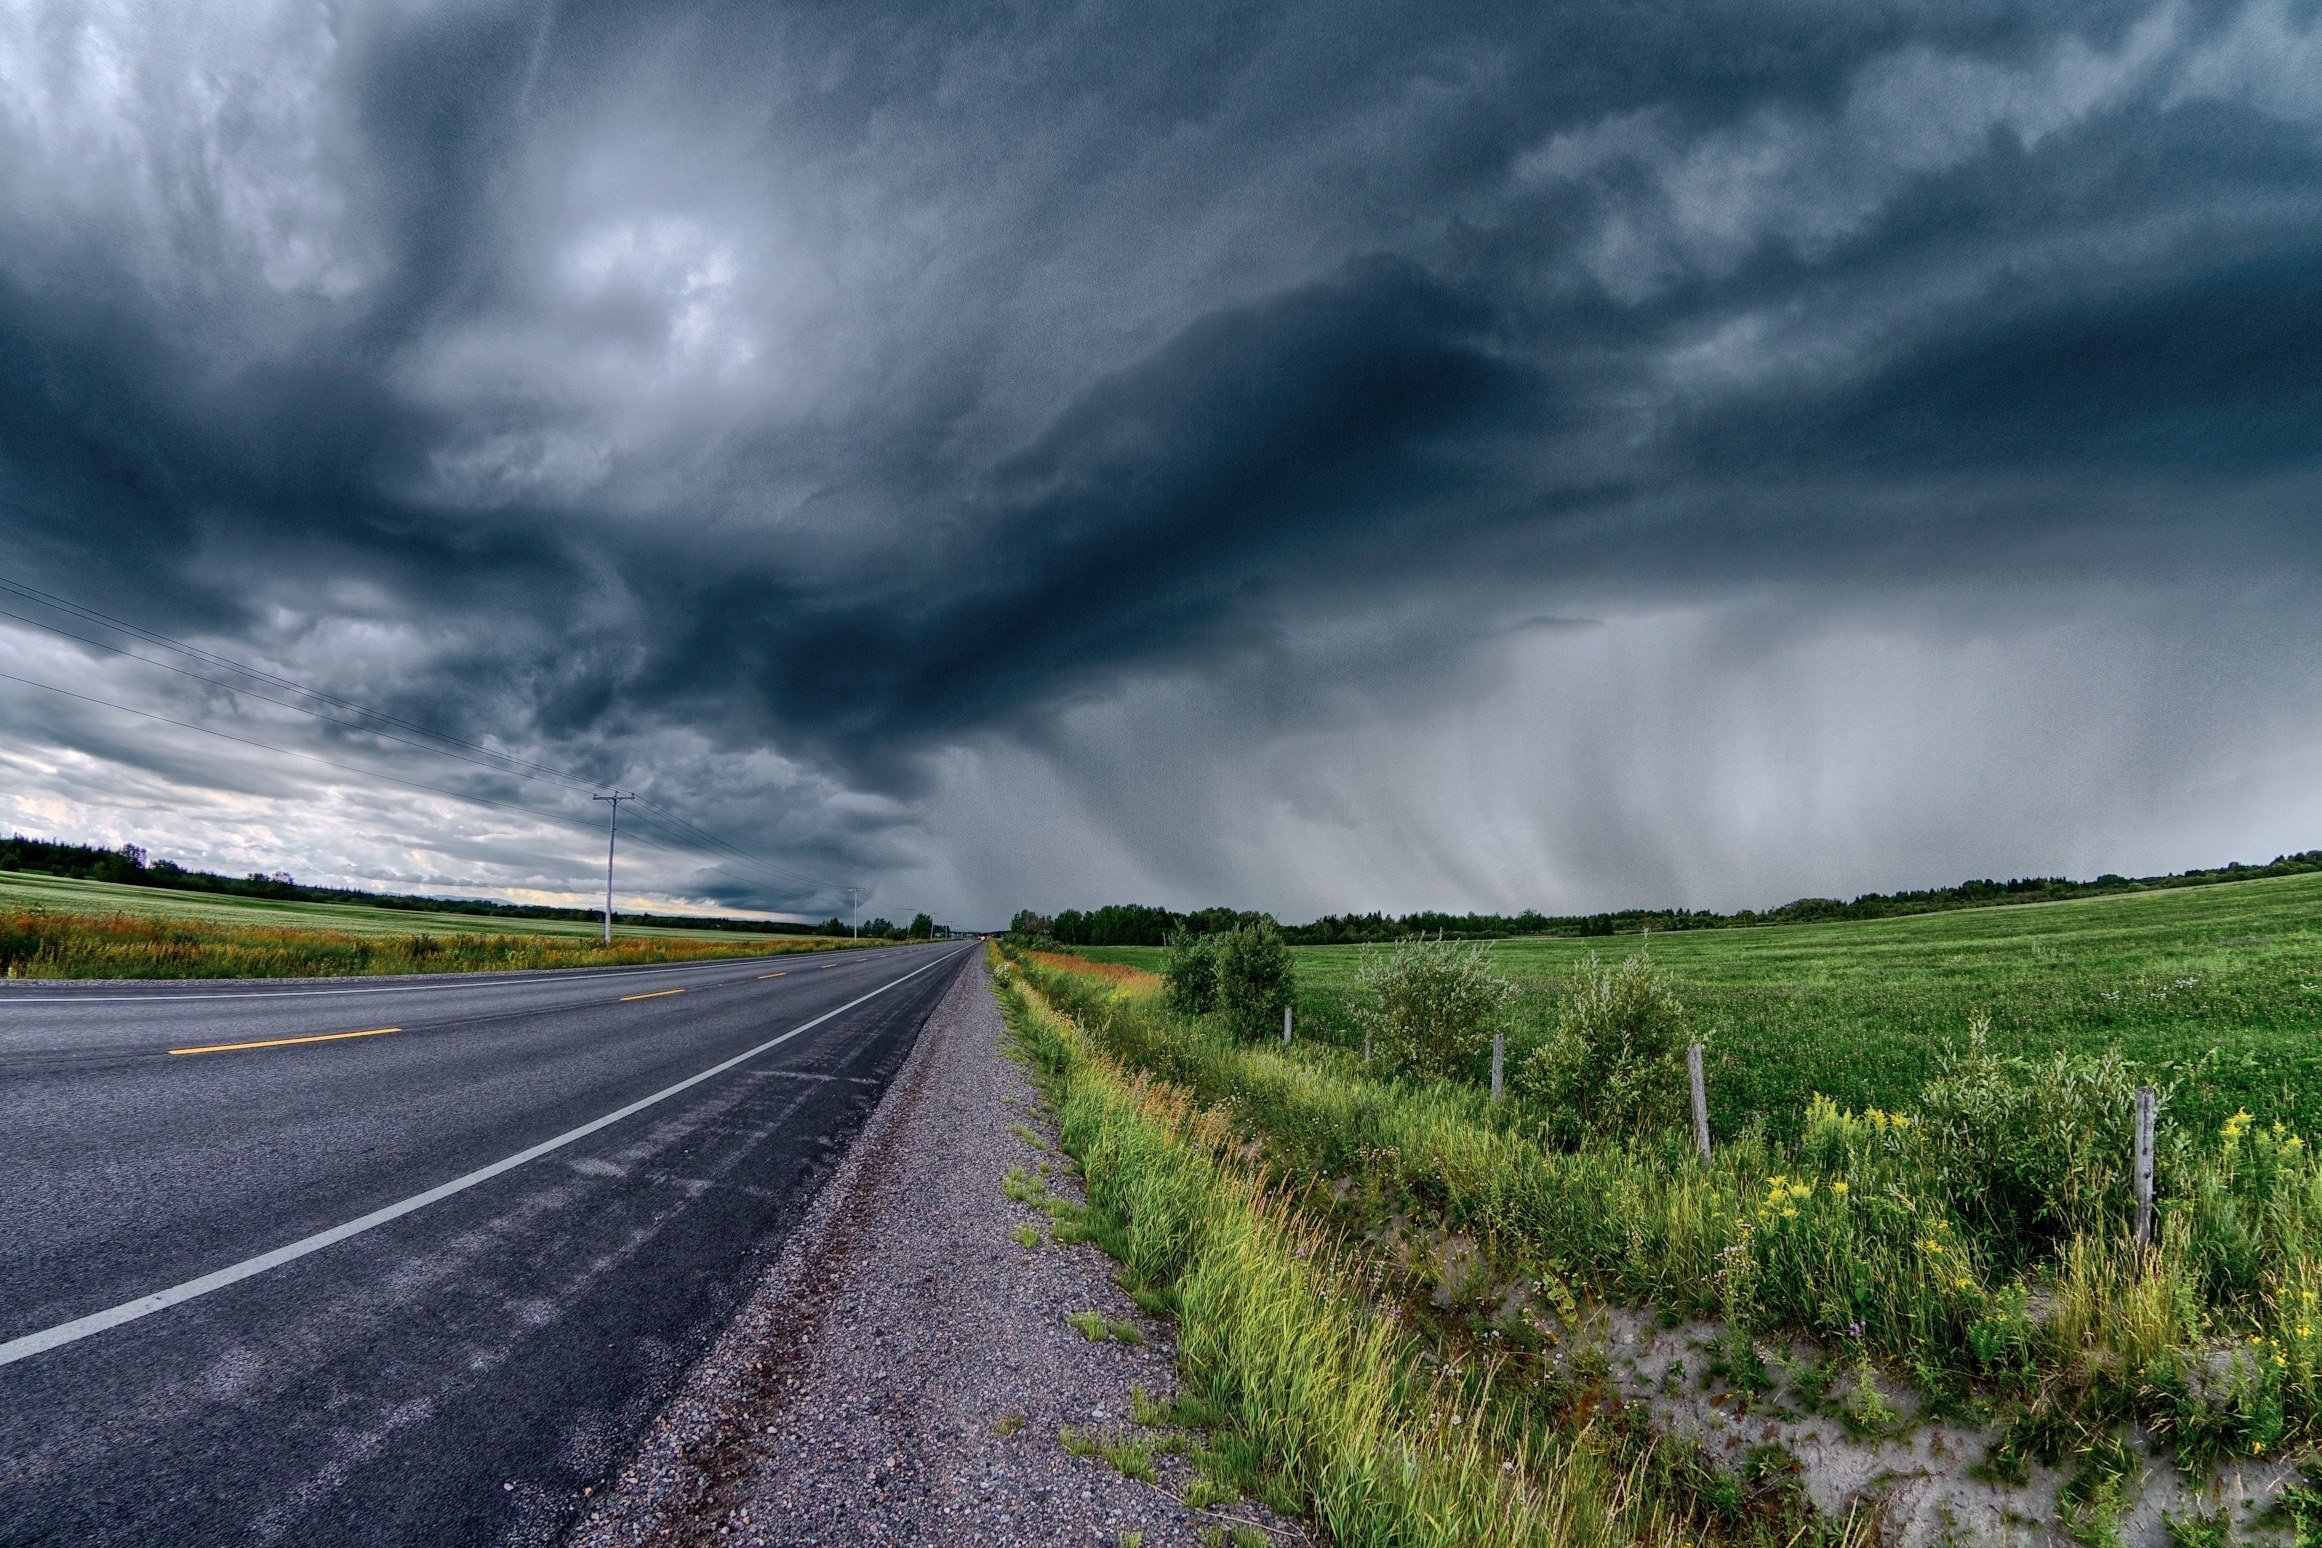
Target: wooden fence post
2144, 1177
1285, 1026
1499, 1065
1700, 1099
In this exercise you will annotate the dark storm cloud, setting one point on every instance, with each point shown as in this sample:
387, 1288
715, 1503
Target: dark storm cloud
778, 407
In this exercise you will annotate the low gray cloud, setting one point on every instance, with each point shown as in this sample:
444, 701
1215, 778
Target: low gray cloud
1315, 457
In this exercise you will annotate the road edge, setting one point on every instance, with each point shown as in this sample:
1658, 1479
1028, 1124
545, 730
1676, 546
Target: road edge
698, 1447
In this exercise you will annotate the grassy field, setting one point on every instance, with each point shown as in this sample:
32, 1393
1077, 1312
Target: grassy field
58, 927
24, 889
1969, 1248
2220, 985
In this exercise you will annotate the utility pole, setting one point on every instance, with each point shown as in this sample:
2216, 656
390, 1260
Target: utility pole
855, 908
612, 837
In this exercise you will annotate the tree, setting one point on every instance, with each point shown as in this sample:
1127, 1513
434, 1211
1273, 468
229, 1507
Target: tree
1615, 1064
1434, 1004
1254, 980
922, 927
1190, 971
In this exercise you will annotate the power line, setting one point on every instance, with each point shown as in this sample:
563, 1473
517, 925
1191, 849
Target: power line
683, 831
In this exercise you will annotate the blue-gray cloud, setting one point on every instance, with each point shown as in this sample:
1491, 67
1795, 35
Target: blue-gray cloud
884, 436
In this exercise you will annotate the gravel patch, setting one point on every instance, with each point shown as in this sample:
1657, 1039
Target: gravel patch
904, 1371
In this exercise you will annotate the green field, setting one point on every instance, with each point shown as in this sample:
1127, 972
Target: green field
64, 894
2220, 986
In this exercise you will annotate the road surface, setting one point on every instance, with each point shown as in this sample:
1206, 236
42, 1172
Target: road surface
288, 1284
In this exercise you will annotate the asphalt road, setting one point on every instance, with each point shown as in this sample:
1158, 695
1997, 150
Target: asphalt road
456, 1373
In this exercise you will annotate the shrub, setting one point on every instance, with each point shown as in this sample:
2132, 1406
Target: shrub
2033, 1152
1434, 1003
1615, 1062
1254, 981
1190, 970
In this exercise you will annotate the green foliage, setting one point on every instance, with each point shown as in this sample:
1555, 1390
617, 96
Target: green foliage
1255, 981
2032, 1151
1320, 1405
1615, 1064
1433, 1004
2218, 988
1135, 925
1116, 924
1190, 971
1852, 1235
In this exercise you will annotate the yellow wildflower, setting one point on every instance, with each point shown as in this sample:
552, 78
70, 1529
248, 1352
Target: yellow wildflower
1839, 1188
1787, 1213
1964, 1282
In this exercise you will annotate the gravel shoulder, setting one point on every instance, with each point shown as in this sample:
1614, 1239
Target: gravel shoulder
904, 1370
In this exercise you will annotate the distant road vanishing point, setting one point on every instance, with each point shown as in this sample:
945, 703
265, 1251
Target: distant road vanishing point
398, 1263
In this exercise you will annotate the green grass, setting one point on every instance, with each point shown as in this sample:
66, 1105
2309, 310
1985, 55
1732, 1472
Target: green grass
1861, 1011
1877, 1233
53, 927
1312, 1395
65, 894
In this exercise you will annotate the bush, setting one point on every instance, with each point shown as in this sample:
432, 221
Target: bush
1615, 1064
1254, 982
1190, 971
2032, 1151
1434, 1004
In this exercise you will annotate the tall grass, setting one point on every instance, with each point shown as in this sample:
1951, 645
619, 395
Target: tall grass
1329, 1394
39, 943
1873, 1232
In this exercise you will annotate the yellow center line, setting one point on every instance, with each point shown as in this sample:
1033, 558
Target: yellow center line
285, 1042
655, 995
762, 977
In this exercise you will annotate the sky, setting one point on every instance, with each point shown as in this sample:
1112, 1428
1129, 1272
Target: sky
1314, 457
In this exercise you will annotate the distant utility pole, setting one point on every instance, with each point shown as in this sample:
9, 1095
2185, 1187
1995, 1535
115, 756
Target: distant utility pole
855, 908
612, 837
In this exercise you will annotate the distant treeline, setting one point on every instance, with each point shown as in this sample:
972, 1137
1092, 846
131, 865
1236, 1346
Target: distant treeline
129, 866
1135, 924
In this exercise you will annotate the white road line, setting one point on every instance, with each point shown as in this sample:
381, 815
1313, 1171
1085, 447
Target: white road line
145, 1305
445, 981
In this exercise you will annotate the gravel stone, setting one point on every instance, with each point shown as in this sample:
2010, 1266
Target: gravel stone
861, 1395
